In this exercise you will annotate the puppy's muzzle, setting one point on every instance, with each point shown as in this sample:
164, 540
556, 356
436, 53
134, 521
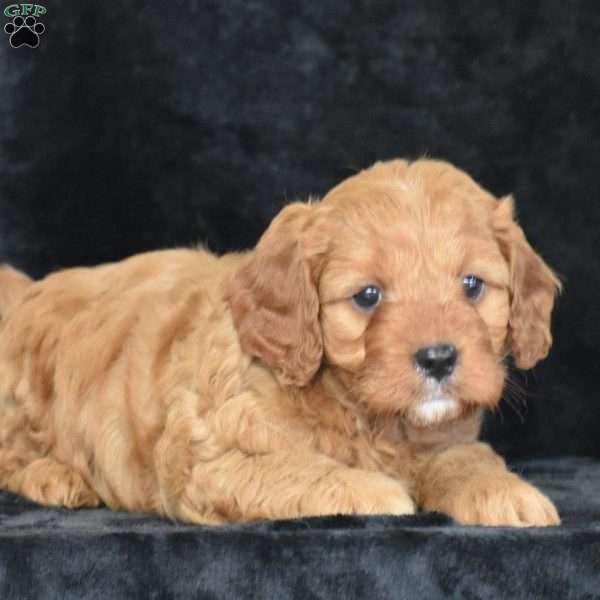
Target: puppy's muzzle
437, 362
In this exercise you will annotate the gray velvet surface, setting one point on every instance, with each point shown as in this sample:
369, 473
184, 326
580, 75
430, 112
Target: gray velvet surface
56, 553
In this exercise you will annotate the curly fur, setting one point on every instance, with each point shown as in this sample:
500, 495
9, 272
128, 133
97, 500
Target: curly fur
249, 386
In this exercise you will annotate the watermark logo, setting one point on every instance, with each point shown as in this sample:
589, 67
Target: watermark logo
25, 28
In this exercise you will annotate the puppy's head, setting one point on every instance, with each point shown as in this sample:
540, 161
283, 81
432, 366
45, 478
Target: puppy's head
409, 281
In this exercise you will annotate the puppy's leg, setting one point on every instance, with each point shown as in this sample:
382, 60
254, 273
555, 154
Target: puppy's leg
239, 487
46, 481
471, 483
257, 467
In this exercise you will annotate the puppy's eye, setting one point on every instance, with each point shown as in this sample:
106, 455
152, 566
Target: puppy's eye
473, 287
367, 298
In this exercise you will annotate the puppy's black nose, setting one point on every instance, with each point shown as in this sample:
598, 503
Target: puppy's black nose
437, 361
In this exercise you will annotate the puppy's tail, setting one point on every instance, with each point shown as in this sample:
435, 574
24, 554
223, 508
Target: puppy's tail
13, 285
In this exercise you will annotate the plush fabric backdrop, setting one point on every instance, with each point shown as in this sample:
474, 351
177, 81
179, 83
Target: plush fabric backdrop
140, 125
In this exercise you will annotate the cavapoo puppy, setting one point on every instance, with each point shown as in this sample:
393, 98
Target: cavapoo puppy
342, 366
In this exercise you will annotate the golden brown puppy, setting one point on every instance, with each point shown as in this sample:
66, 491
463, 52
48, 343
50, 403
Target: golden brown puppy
342, 366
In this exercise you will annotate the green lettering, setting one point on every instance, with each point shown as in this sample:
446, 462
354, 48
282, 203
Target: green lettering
12, 10
39, 10
26, 9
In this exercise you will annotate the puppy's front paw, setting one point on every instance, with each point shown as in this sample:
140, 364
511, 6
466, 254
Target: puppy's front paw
354, 491
498, 500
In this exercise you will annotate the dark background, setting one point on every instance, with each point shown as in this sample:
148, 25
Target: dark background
133, 127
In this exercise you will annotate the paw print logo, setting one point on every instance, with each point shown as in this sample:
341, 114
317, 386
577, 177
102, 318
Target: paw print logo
24, 32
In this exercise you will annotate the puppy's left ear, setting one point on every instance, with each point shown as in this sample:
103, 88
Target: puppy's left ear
533, 287
274, 302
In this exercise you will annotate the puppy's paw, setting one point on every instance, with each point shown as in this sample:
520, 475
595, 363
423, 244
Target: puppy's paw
354, 491
49, 482
502, 500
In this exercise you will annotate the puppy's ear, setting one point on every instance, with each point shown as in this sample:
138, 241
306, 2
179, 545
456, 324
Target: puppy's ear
274, 301
533, 287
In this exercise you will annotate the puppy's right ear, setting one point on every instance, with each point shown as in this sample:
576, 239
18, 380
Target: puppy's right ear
274, 302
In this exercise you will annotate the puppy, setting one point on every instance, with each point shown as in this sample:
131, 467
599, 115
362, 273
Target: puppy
342, 366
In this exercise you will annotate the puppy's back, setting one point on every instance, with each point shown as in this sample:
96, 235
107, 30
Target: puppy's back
13, 285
